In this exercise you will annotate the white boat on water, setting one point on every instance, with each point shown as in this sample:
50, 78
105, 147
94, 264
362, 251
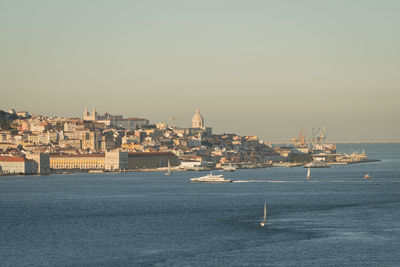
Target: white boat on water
229, 168
169, 172
308, 173
210, 178
264, 222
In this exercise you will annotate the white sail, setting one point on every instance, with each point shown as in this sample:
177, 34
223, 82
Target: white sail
168, 169
265, 212
264, 222
308, 173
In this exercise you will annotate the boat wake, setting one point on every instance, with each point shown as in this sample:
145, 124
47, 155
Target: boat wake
266, 181
299, 181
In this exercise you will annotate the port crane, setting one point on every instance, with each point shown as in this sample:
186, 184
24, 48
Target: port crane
172, 119
319, 136
300, 140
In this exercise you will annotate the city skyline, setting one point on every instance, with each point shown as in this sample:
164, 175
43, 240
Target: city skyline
266, 68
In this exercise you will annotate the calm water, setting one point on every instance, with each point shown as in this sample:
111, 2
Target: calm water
335, 219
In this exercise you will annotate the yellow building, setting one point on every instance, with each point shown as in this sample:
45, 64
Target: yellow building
132, 147
84, 162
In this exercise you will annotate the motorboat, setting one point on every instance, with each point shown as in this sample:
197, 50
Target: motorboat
229, 168
210, 178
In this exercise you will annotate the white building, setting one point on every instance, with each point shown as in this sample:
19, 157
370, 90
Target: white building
114, 120
198, 125
116, 160
197, 120
14, 165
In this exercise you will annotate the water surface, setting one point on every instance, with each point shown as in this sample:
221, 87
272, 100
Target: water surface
336, 219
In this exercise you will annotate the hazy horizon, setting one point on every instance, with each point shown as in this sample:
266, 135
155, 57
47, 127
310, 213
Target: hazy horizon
262, 68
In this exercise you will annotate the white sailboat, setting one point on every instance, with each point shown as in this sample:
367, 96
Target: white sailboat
169, 172
264, 222
308, 173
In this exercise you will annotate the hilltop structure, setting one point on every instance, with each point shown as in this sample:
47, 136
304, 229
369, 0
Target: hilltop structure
198, 126
114, 120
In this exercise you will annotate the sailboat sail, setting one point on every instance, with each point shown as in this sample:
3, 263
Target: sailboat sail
168, 169
264, 222
308, 173
265, 212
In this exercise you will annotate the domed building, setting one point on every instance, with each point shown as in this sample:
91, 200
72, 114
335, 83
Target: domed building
198, 127
197, 120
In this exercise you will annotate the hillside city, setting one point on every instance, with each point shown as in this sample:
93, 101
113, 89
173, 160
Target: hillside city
31, 144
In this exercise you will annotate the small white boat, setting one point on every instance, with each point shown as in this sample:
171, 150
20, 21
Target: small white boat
264, 222
229, 168
210, 178
308, 173
367, 176
169, 172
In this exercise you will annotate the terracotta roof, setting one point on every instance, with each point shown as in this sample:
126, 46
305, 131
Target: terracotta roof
12, 159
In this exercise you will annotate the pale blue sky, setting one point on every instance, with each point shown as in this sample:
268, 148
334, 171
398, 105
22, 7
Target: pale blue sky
252, 67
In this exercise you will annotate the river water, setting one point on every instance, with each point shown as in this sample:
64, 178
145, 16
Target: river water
146, 218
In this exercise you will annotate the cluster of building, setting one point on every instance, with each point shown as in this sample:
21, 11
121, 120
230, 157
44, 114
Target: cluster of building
40, 144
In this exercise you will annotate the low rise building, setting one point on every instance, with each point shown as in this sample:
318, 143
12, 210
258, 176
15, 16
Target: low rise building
116, 160
81, 161
5, 146
42, 160
151, 160
17, 165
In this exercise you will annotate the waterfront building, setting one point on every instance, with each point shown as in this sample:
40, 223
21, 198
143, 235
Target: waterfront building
17, 165
42, 160
82, 161
150, 160
116, 160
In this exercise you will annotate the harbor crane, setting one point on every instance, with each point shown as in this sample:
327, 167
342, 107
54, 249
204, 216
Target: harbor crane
172, 119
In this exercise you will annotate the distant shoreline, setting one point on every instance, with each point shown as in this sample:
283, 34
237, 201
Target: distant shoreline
347, 142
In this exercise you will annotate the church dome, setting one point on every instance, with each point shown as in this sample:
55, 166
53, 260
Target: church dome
197, 120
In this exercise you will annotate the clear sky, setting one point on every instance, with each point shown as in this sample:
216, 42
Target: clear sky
252, 67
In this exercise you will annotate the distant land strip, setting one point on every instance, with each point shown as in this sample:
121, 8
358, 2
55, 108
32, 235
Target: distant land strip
347, 142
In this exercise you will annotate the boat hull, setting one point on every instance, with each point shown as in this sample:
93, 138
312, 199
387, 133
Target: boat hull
209, 181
